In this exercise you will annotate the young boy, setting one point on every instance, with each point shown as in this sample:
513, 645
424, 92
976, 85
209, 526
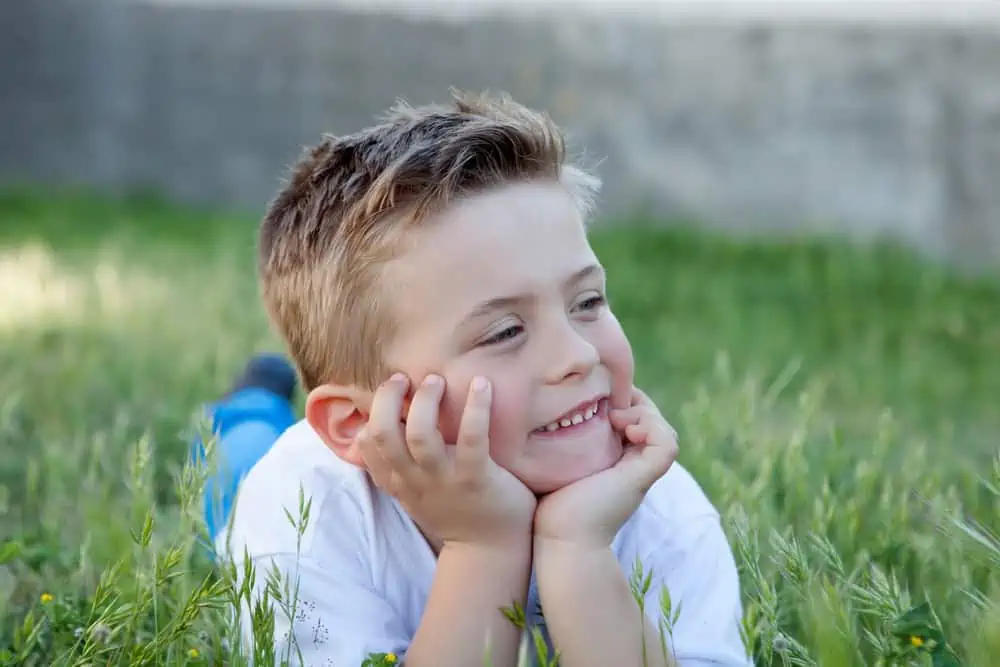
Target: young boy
472, 437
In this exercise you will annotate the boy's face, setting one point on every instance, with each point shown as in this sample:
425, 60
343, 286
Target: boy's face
505, 285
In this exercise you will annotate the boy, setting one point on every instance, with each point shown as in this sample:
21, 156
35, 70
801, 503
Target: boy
472, 438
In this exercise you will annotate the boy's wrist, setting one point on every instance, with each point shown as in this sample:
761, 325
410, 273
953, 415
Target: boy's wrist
562, 565
516, 548
548, 548
560, 537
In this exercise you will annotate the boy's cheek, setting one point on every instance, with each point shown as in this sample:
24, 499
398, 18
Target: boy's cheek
619, 361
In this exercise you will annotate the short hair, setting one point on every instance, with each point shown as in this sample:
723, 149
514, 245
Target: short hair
345, 208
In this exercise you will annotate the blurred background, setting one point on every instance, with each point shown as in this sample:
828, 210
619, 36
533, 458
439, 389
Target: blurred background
868, 118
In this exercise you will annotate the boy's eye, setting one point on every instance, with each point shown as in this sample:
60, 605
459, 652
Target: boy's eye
506, 334
592, 302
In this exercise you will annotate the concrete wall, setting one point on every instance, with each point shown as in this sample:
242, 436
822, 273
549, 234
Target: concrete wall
761, 123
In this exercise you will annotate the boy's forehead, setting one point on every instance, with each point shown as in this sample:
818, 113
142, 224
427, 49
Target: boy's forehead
515, 223
493, 246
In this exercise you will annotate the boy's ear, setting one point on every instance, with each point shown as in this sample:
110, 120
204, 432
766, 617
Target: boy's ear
338, 413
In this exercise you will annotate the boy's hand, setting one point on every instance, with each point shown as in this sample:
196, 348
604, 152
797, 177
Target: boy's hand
591, 511
457, 493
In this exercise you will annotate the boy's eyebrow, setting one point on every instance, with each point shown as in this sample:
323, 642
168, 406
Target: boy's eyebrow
510, 301
589, 271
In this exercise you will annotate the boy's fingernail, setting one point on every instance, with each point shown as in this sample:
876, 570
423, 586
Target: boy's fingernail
480, 385
432, 380
398, 378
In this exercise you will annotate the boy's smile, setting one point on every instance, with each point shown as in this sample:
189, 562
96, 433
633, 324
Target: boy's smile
505, 285
578, 416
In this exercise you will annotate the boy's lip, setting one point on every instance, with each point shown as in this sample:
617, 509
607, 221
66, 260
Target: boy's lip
578, 408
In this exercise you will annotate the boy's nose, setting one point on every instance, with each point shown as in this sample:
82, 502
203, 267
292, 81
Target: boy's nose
572, 356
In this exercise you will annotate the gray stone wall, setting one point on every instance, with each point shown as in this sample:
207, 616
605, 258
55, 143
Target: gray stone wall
765, 124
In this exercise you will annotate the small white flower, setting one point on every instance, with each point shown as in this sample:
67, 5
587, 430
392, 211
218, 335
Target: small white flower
100, 633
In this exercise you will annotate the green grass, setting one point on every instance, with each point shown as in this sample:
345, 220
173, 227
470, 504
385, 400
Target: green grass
838, 405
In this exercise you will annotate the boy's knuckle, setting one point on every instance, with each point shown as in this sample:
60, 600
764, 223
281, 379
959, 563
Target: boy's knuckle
418, 437
471, 436
379, 435
467, 482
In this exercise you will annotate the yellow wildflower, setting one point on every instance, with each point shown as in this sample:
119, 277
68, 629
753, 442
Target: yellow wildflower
390, 658
193, 653
46, 598
917, 641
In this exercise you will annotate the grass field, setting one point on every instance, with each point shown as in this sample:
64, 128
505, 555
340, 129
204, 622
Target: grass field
838, 405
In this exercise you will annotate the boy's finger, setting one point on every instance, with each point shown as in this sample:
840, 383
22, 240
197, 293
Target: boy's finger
422, 435
622, 418
645, 464
659, 459
637, 434
385, 428
473, 446
375, 464
620, 397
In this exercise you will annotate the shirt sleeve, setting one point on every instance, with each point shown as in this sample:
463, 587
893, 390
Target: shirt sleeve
325, 615
700, 573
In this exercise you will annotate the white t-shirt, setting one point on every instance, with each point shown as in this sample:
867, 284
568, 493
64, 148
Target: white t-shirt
364, 570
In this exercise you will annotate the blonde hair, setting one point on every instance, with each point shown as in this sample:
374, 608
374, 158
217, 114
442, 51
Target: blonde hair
341, 215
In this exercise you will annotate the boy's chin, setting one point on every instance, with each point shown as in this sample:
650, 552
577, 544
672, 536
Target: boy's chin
561, 470
551, 486
543, 487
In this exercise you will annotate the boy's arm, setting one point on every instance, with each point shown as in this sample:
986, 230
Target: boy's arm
592, 617
592, 614
463, 619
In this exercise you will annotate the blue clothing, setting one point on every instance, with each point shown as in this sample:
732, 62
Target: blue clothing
246, 424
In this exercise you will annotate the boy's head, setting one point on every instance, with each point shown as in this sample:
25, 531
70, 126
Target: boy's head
450, 240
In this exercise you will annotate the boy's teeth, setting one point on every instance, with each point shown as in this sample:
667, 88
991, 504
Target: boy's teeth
578, 418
